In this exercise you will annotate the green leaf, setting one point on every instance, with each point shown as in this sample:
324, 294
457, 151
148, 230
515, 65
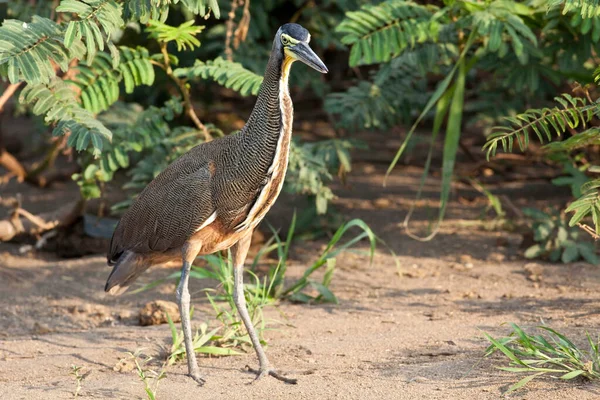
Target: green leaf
570, 254
507, 352
324, 293
587, 252
229, 74
30, 50
183, 35
217, 351
572, 374
523, 382
380, 32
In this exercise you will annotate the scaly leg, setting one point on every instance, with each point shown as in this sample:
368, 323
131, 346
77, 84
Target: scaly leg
183, 298
239, 252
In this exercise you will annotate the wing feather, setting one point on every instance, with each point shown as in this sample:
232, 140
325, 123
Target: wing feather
168, 211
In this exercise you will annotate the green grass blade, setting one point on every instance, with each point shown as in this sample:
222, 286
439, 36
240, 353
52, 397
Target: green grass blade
572, 374
451, 142
439, 92
217, 351
172, 327
523, 382
441, 110
507, 352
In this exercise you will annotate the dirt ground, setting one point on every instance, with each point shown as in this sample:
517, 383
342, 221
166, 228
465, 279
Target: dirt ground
412, 331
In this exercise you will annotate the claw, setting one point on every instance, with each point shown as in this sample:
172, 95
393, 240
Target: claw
262, 372
198, 379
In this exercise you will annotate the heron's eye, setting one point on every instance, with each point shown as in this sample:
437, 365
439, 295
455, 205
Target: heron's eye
285, 41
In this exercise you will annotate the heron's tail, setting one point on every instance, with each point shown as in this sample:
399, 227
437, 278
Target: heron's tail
126, 270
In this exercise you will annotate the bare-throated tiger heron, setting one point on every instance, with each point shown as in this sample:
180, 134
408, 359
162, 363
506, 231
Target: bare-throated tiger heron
212, 197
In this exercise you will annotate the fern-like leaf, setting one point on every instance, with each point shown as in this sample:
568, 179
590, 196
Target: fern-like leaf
146, 10
135, 67
497, 21
380, 32
589, 137
91, 15
199, 7
139, 130
183, 35
575, 111
227, 73
588, 203
586, 8
29, 50
375, 104
24, 10
99, 83
58, 102
158, 10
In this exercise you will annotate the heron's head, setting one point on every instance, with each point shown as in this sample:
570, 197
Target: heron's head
294, 39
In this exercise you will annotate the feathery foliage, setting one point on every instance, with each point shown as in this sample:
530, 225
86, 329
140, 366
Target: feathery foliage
549, 43
99, 82
573, 112
310, 164
375, 103
183, 35
380, 32
158, 10
586, 8
232, 75
135, 67
90, 16
58, 103
587, 204
29, 50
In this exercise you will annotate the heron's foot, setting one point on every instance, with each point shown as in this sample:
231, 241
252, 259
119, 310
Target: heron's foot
267, 371
197, 378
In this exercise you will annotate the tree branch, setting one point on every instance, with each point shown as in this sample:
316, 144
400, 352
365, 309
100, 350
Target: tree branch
229, 34
181, 84
589, 230
7, 160
10, 90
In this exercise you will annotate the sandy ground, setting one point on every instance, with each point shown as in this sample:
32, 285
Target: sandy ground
407, 332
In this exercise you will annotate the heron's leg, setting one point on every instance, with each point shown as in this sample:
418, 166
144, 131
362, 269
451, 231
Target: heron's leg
189, 253
239, 252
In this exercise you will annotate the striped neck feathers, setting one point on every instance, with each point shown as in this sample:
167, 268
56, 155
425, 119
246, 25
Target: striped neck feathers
266, 118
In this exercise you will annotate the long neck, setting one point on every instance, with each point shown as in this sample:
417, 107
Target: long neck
272, 115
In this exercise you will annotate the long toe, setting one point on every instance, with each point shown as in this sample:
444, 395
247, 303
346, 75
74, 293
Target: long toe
262, 372
198, 379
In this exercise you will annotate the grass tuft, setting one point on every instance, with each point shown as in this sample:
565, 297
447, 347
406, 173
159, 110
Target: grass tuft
548, 353
202, 343
148, 376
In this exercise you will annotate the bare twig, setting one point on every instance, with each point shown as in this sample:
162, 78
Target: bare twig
187, 101
22, 221
10, 90
589, 230
7, 160
13, 165
242, 30
230, 25
34, 219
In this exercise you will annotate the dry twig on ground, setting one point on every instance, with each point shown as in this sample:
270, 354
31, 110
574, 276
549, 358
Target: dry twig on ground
22, 221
